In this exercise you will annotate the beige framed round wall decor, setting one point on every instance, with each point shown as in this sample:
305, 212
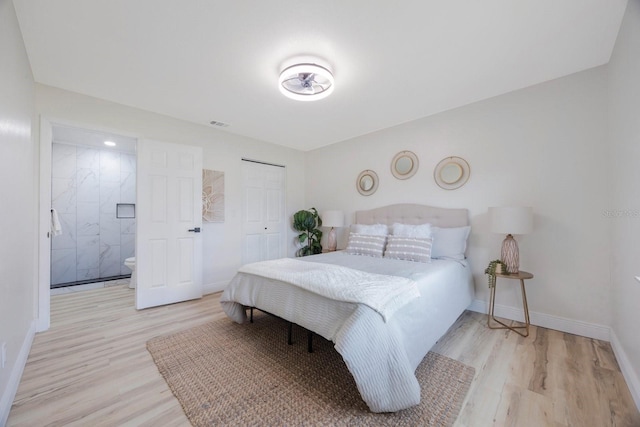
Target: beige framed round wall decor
367, 182
451, 173
404, 165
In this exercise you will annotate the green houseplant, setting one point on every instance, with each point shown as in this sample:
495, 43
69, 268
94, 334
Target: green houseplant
495, 266
307, 222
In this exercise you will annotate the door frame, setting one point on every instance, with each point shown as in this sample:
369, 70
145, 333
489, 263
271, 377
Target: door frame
43, 283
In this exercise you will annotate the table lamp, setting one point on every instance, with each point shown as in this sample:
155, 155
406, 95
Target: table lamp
332, 219
509, 221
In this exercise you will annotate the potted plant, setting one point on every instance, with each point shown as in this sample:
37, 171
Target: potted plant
495, 267
307, 222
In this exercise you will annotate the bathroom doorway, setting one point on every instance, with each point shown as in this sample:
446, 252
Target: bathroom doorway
93, 197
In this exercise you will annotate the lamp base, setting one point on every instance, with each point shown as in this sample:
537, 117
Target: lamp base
510, 254
332, 242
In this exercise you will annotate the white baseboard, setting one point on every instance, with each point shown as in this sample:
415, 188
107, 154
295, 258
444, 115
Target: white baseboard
557, 323
630, 376
9, 392
211, 288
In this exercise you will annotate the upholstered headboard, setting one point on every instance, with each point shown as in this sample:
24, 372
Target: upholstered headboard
414, 214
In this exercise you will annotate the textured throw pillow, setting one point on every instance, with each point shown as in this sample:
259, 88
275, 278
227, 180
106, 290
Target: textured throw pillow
370, 230
422, 231
408, 248
449, 243
364, 244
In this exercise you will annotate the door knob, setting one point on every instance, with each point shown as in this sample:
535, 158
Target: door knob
195, 230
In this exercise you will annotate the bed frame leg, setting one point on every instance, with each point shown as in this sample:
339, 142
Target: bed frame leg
251, 315
310, 341
290, 333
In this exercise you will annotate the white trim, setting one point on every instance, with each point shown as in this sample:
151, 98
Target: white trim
630, 376
576, 327
9, 392
44, 241
212, 288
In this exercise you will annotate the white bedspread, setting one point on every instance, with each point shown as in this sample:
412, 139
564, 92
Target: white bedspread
381, 356
383, 293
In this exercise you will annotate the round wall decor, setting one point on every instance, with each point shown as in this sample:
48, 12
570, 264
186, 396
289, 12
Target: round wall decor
452, 172
404, 165
367, 182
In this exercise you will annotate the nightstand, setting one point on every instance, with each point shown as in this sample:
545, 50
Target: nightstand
522, 276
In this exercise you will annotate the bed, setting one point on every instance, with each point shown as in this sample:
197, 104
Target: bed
381, 349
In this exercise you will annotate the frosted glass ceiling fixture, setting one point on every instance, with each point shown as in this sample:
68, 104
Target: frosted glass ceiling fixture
306, 82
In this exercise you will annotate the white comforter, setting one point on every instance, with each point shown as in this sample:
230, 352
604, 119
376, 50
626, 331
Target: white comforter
381, 356
383, 293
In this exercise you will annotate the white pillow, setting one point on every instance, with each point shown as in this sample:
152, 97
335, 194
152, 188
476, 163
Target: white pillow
449, 242
363, 244
370, 230
408, 248
422, 231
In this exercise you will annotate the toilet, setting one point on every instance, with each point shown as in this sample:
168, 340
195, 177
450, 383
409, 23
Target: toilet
131, 264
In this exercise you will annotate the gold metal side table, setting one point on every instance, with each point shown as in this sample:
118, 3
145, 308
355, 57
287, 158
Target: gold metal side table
522, 276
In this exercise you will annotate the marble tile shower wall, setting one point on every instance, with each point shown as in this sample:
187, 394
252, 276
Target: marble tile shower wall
86, 185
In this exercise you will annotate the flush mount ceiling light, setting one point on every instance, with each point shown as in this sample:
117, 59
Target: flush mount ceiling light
306, 82
110, 143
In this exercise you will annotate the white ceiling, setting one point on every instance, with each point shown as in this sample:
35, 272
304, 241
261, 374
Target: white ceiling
393, 61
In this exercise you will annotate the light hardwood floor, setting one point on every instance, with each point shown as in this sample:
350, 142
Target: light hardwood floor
92, 369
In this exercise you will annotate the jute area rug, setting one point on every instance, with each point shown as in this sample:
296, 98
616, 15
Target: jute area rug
226, 374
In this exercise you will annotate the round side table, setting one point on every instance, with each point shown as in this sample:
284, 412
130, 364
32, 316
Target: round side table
522, 276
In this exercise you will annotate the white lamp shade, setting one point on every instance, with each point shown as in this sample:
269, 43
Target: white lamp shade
511, 220
332, 218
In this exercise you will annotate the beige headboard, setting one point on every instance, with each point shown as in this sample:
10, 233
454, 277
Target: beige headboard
414, 214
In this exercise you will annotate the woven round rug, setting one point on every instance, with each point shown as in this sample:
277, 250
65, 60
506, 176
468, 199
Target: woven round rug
226, 374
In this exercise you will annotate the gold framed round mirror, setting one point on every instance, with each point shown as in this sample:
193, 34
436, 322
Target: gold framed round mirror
367, 182
404, 165
451, 173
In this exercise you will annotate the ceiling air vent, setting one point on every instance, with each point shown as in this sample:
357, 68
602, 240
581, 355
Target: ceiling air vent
219, 124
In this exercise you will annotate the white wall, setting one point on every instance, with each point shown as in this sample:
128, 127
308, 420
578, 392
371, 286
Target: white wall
223, 151
543, 146
17, 188
624, 164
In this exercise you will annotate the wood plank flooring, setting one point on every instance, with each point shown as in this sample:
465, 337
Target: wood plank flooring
92, 369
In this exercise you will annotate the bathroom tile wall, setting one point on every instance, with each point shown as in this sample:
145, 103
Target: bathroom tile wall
87, 183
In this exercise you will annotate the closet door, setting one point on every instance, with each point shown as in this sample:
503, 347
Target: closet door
264, 231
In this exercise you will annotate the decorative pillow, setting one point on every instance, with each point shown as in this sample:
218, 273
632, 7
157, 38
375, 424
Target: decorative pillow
422, 231
370, 230
363, 244
449, 243
408, 248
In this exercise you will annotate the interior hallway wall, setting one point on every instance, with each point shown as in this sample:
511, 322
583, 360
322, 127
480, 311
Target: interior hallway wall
18, 178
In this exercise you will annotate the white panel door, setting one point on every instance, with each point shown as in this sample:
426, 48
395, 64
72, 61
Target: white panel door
168, 218
263, 212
